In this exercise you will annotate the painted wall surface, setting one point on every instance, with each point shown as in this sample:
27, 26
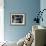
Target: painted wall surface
43, 6
29, 8
1, 21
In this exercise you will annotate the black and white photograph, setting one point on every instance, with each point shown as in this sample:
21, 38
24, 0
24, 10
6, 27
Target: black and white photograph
17, 19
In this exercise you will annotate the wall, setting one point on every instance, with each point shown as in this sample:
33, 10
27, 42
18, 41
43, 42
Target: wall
43, 6
29, 8
1, 21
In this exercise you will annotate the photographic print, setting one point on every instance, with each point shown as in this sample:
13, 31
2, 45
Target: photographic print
17, 19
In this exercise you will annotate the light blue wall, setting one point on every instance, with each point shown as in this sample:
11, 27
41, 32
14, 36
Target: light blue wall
28, 7
43, 6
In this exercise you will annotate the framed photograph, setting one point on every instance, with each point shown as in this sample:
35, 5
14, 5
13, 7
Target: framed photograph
17, 19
